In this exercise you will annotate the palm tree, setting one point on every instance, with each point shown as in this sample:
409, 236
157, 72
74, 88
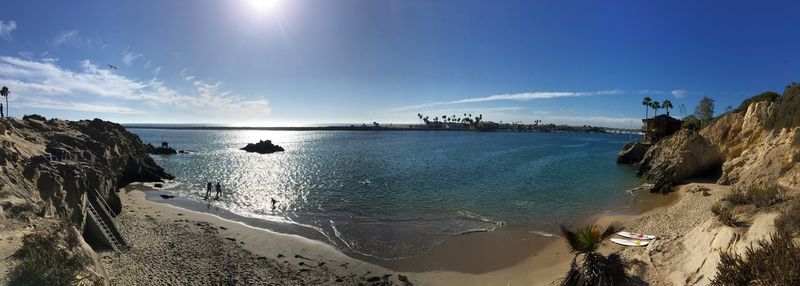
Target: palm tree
655, 105
589, 267
4, 92
666, 105
647, 102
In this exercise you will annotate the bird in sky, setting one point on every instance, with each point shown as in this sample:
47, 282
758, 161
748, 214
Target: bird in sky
112, 67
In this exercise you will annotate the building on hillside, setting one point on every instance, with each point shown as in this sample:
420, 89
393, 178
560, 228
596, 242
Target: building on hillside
659, 127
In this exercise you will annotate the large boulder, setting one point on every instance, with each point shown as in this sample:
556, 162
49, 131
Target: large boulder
680, 156
632, 153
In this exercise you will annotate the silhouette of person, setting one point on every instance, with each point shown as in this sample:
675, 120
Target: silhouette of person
273, 203
208, 191
219, 190
1, 111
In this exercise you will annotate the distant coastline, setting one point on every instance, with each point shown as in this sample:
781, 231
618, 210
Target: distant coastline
394, 127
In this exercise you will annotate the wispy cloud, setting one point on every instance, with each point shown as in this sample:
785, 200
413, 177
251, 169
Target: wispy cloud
156, 71
6, 28
679, 93
39, 83
25, 54
147, 64
524, 96
77, 106
72, 37
129, 57
651, 92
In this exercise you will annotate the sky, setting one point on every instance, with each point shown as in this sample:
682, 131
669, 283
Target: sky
297, 62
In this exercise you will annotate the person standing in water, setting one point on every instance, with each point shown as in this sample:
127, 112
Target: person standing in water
273, 203
219, 190
208, 191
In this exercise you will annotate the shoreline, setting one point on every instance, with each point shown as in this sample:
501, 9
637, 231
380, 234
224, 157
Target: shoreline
489, 250
516, 257
297, 258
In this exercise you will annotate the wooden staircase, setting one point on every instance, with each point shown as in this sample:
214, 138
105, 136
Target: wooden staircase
101, 223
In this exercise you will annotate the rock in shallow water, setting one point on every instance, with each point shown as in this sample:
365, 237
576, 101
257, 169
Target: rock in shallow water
263, 147
633, 152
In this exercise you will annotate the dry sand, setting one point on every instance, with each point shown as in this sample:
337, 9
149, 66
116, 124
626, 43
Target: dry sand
172, 245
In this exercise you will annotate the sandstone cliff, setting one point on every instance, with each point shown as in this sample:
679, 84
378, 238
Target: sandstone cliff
757, 147
49, 166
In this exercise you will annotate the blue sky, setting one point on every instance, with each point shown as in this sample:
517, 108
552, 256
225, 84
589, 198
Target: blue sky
287, 62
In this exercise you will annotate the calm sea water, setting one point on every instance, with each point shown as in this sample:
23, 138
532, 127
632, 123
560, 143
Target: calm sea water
395, 194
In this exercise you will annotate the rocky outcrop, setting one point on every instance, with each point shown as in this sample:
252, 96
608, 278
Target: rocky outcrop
683, 155
632, 153
262, 147
160, 150
51, 166
758, 147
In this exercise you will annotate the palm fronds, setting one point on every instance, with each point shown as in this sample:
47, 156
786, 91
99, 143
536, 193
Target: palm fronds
587, 238
593, 268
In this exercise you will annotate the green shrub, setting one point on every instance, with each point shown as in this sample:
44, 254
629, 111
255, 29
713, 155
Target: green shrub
692, 123
759, 197
765, 197
789, 220
46, 259
728, 217
764, 96
717, 208
775, 261
737, 198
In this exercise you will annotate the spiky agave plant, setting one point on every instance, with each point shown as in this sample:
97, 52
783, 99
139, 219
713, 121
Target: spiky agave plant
589, 267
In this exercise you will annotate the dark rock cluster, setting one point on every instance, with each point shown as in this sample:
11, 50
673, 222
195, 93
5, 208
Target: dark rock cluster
262, 147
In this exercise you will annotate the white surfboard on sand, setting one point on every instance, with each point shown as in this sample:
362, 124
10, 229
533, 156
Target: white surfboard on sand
636, 235
629, 242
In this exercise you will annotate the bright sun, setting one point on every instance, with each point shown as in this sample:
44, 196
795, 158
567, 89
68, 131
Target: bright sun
264, 6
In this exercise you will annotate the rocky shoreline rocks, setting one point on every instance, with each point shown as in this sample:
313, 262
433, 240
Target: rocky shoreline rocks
160, 150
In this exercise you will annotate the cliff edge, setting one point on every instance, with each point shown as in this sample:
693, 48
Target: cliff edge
51, 168
758, 146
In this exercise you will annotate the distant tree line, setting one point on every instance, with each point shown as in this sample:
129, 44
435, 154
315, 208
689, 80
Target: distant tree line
466, 121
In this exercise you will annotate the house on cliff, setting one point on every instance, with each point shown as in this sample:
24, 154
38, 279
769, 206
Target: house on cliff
659, 127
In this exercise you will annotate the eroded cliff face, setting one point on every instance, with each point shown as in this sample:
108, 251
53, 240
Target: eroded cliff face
759, 147
99, 155
92, 156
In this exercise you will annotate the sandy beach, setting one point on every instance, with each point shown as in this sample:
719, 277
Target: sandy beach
174, 245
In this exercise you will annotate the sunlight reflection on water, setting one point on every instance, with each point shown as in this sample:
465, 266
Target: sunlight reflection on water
394, 194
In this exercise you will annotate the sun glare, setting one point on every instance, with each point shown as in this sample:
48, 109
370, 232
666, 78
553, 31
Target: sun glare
264, 6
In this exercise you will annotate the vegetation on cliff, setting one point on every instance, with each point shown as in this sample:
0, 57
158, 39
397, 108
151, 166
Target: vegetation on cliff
52, 257
771, 261
756, 147
50, 167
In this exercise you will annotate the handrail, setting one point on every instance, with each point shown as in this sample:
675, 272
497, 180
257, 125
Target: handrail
108, 210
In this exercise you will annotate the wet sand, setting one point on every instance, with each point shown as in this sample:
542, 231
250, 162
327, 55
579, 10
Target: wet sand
502, 257
175, 246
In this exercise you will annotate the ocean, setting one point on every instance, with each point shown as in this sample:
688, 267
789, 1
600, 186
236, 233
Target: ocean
395, 194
